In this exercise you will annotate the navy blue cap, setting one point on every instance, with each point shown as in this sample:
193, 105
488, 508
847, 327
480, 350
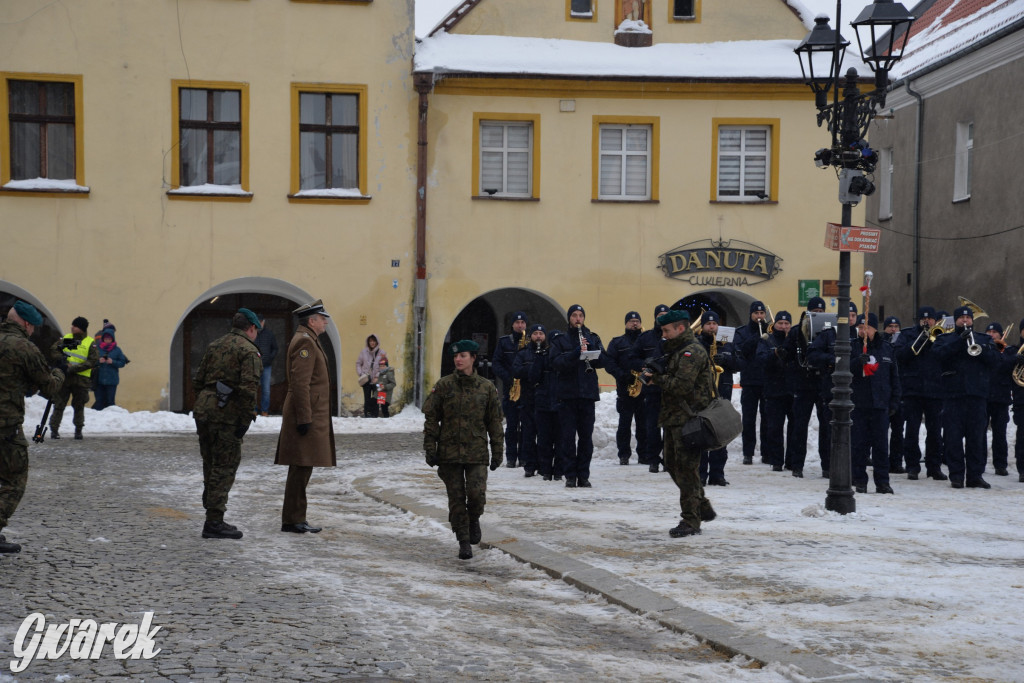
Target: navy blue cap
519, 315
962, 310
756, 306
872, 320
994, 326
891, 320
537, 328
573, 309
783, 315
710, 317
926, 312
815, 302
853, 307
659, 309
632, 315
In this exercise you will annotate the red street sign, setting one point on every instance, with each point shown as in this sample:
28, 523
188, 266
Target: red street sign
839, 238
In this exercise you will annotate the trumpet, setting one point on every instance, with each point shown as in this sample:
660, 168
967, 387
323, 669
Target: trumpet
516, 389
973, 347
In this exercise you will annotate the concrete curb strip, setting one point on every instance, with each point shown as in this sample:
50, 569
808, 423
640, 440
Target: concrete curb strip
719, 634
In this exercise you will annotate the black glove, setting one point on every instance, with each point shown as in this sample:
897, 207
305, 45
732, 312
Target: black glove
966, 333
495, 464
724, 356
864, 359
241, 429
432, 459
303, 429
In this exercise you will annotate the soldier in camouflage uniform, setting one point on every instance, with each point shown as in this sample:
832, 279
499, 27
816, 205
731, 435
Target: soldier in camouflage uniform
23, 370
687, 387
223, 414
79, 351
461, 412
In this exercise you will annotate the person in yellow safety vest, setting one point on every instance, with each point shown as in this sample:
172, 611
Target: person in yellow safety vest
78, 351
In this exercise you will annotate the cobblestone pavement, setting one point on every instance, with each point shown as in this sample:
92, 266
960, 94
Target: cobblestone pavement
110, 529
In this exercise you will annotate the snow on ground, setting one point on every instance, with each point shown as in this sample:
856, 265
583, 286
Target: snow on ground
923, 585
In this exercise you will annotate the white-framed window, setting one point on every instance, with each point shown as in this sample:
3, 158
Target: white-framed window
506, 158
885, 181
625, 161
744, 161
964, 158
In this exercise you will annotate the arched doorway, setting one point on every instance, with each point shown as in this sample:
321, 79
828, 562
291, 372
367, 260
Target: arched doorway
489, 316
730, 305
209, 318
47, 333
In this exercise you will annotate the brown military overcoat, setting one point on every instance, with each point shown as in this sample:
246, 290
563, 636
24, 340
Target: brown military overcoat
308, 401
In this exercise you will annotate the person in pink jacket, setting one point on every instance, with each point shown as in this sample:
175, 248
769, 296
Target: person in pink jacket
368, 365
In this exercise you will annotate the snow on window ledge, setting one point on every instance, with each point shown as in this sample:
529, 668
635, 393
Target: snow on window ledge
212, 190
45, 185
331, 193
631, 26
581, 15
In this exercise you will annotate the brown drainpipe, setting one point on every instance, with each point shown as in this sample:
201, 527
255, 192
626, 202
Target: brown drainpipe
423, 83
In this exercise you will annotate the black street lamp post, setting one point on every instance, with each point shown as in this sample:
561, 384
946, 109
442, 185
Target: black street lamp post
886, 26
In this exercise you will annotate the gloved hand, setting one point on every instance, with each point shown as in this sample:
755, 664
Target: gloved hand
241, 429
966, 333
431, 458
724, 356
495, 463
303, 429
864, 359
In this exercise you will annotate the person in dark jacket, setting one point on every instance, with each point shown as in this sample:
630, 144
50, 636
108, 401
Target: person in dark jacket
504, 357
775, 355
890, 333
649, 345
461, 414
546, 406
524, 360
712, 463
922, 396
108, 375
751, 378
629, 408
78, 350
1018, 403
808, 395
1000, 396
266, 342
876, 395
966, 379
578, 391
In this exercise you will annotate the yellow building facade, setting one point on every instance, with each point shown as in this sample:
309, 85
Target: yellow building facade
165, 240
552, 232
163, 163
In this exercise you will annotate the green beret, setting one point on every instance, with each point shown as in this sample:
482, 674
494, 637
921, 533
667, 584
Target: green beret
251, 317
673, 317
465, 345
28, 313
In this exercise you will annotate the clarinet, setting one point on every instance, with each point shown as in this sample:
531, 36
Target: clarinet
583, 346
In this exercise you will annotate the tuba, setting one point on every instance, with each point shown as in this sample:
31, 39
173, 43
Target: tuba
516, 389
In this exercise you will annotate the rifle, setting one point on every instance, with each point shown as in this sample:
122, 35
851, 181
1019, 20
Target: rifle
40, 434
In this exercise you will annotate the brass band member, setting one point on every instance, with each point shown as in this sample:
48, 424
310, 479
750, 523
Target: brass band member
922, 395
504, 357
1000, 395
629, 403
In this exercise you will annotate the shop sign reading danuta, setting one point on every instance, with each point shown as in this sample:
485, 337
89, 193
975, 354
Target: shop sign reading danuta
725, 263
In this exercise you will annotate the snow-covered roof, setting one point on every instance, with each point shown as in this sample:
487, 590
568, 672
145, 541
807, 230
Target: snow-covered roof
762, 59
949, 27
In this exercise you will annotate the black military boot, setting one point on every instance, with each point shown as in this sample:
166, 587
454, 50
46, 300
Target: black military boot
570, 483
6, 547
54, 434
465, 550
474, 530
78, 433
220, 530
683, 529
707, 513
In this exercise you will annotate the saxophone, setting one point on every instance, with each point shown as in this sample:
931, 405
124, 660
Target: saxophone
516, 389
